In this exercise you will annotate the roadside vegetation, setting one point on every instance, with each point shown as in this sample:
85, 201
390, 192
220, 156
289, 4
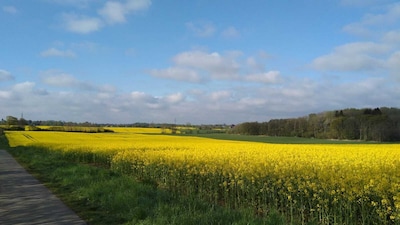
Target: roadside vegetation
102, 196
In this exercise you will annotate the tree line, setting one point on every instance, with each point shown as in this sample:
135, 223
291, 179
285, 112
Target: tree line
379, 124
15, 124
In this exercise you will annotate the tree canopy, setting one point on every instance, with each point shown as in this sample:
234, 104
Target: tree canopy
379, 124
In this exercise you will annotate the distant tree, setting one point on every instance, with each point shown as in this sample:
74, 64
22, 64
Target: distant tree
376, 111
11, 120
22, 122
379, 124
339, 113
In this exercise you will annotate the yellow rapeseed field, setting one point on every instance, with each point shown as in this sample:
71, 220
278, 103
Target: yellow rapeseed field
327, 183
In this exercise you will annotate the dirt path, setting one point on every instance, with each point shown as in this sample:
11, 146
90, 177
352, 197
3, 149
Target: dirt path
24, 200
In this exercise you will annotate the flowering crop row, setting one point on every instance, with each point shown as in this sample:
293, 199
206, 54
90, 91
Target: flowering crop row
330, 184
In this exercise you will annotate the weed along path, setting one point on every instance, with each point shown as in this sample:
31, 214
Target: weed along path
24, 200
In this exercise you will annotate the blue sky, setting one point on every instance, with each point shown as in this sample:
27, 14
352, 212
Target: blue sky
199, 62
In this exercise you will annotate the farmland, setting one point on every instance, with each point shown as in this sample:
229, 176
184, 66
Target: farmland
320, 183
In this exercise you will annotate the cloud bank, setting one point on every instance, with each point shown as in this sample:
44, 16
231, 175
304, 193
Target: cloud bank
201, 83
112, 12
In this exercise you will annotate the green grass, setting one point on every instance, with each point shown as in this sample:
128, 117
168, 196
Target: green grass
101, 196
274, 139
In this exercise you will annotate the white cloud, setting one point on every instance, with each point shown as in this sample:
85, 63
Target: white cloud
141, 96
24, 87
363, 2
74, 3
5, 94
200, 67
116, 12
390, 16
218, 66
371, 23
137, 5
393, 64
358, 56
113, 12
174, 98
392, 37
252, 62
5, 75
10, 9
268, 77
82, 24
363, 48
293, 98
338, 62
58, 78
141, 99
53, 52
201, 29
220, 95
251, 102
177, 73
230, 32
86, 45
357, 29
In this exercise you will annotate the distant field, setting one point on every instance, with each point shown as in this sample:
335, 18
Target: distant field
273, 139
321, 182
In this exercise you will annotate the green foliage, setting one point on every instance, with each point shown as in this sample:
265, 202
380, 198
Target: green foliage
379, 124
32, 128
275, 139
77, 129
3, 141
102, 196
11, 120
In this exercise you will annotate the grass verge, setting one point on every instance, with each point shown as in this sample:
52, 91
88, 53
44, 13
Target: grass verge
275, 139
101, 196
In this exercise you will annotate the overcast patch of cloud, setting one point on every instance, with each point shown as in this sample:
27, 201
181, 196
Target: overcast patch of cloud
371, 23
392, 37
141, 99
10, 9
116, 12
5, 75
230, 32
358, 56
293, 98
393, 64
81, 24
112, 12
201, 29
24, 87
202, 67
218, 66
74, 3
174, 98
54, 52
363, 2
377, 53
177, 73
267, 77
220, 95
58, 78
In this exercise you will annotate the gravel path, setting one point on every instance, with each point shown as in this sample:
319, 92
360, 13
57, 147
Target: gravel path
24, 200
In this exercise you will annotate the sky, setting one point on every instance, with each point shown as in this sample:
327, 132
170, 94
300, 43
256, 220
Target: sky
198, 61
